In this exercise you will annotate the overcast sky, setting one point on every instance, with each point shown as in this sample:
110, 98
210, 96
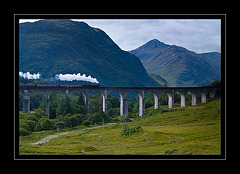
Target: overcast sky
198, 35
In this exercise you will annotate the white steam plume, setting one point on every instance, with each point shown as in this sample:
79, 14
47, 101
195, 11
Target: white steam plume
27, 75
71, 77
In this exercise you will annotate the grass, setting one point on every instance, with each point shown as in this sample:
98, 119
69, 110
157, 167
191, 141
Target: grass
178, 131
37, 136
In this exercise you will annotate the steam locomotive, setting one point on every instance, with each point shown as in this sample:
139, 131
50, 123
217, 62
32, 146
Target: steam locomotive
59, 86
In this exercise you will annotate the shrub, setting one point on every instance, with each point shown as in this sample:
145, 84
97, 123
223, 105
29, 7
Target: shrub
27, 124
70, 121
43, 124
89, 148
23, 132
79, 118
170, 151
96, 118
39, 113
129, 131
60, 124
113, 112
86, 123
164, 110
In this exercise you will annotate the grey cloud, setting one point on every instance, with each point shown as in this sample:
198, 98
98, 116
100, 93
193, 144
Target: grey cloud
199, 35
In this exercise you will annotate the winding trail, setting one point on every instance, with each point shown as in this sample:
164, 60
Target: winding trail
54, 136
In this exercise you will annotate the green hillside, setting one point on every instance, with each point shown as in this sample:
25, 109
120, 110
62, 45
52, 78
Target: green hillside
177, 131
52, 47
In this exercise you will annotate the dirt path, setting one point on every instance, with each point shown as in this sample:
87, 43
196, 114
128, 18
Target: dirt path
54, 136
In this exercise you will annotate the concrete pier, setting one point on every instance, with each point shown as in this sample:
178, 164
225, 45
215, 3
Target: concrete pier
104, 96
183, 98
141, 103
157, 99
194, 98
170, 98
123, 102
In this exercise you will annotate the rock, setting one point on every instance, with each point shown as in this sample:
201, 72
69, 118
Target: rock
181, 152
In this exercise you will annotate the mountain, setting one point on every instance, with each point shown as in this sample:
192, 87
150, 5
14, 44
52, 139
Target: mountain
63, 46
177, 65
212, 58
149, 49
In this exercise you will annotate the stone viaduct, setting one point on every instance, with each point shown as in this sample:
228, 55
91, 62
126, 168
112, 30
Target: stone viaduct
123, 92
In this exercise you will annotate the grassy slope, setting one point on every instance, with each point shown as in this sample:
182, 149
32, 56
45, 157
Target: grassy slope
190, 130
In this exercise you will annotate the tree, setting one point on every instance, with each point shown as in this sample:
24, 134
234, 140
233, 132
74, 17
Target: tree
114, 101
114, 112
43, 124
216, 84
37, 98
96, 104
86, 123
96, 118
52, 112
60, 109
81, 100
177, 97
74, 107
23, 132
54, 101
66, 106
39, 113
149, 101
104, 115
163, 99
77, 109
79, 118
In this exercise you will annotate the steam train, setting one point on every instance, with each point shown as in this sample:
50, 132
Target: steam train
59, 86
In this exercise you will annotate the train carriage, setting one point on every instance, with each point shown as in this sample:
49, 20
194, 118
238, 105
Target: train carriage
58, 85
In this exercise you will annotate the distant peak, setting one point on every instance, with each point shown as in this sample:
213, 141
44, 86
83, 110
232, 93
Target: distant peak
153, 41
56, 20
156, 43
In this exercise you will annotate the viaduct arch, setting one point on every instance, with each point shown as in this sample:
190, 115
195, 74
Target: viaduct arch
123, 92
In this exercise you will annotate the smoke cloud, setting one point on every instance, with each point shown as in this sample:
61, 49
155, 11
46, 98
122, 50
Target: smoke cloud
62, 77
71, 77
27, 75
